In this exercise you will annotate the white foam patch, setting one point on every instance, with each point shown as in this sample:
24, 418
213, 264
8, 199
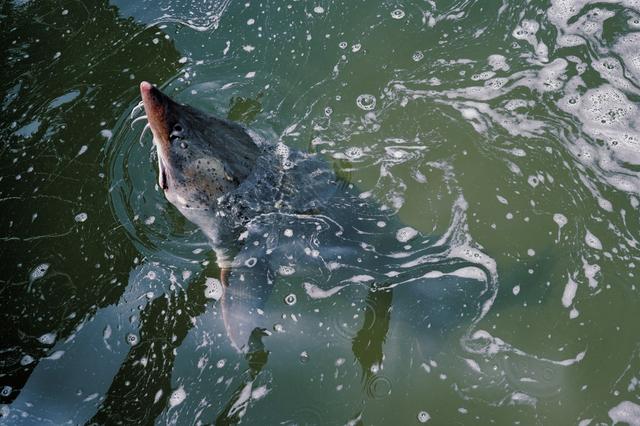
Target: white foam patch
483, 343
626, 412
569, 293
315, 292
405, 234
607, 114
360, 279
590, 272
213, 289
592, 241
177, 397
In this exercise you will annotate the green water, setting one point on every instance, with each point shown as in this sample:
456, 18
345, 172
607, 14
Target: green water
511, 130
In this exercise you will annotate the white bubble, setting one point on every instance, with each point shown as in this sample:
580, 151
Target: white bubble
560, 220
417, 56
26, 360
290, 299
366, 102
397, 14
39, 271
132, 339
318, 9
81, 217
354, 152
288, 233
47, 339
423, 417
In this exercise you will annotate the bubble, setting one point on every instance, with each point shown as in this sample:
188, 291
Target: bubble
39, 271
26, 360
328, 111
288, 233
132, 339
318, 9
423, 417
366, 102
304, 357
356, 47
290, 299
354, 152
397, 14
6, 391
405, 234
483, 76
378, 387
251, 262
213, 289
177, 397
286, 270
560, 219
417, 56
278, 328
47, 339
221, 363
81, 217
342, 45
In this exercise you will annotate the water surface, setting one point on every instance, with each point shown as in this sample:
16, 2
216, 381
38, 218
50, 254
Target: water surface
488, 275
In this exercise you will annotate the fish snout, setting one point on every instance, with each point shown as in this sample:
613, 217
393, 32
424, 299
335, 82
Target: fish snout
155, 107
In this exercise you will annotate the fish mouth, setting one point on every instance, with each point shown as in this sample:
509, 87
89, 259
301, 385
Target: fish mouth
162, 174
155, 107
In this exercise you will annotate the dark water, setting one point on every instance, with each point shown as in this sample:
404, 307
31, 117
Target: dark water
500, 139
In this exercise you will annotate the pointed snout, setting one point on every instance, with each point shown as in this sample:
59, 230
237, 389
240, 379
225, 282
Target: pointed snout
155, 108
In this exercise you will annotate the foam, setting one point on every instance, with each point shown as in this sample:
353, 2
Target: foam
569, 293
177, 397
626, 412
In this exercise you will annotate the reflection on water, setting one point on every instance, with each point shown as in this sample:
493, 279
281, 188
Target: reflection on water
477, 265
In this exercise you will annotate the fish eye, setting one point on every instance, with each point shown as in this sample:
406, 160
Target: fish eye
177, 128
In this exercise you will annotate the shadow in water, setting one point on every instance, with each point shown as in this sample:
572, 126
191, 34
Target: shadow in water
368, 342
141, 389
63, 81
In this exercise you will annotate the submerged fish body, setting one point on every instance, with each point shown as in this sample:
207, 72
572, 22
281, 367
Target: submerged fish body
271, 212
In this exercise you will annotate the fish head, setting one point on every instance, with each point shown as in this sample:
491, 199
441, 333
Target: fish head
200, 157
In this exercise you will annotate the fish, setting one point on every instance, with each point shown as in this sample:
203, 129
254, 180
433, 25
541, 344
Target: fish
270, 211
